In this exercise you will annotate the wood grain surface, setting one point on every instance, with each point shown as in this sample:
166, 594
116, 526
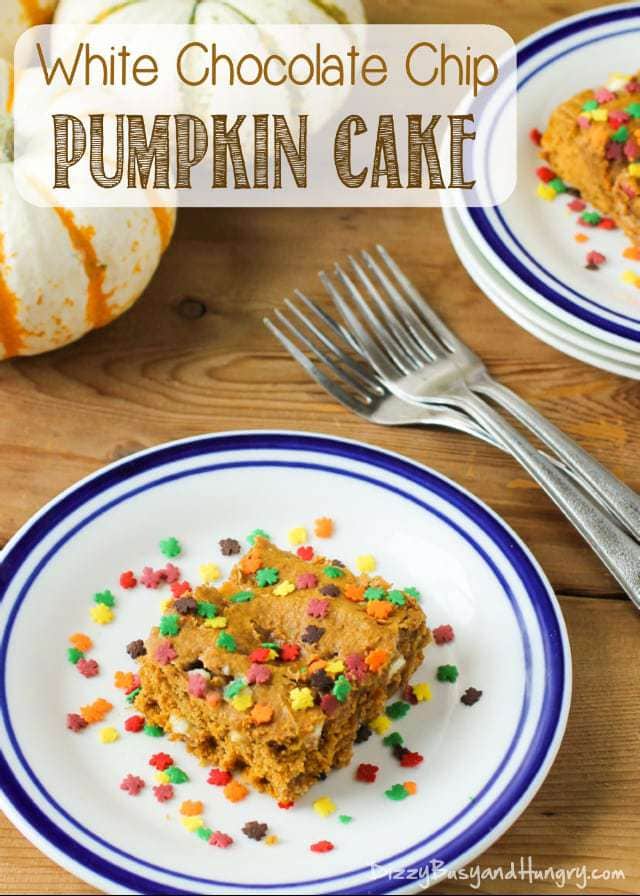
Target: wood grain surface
193, 356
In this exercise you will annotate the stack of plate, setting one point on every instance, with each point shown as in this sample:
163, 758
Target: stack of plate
523, 253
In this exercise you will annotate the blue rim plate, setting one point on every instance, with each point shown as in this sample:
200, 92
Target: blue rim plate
505, 239
494, 588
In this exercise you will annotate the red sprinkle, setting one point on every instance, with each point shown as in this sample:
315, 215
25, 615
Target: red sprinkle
221, 840
161, 761
305, 553
260, 655
443, 634
289, 652
75, 722
535, 136
132, 784
163, 792
410, 760
322, 846
218, 777
286, 805
134, 724
607, 224
409, 696
128, 580
577, 205
88, 668
366, 772
329, 704
596, 258
178, 589
545, 174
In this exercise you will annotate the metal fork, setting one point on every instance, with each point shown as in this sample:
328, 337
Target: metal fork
419, 359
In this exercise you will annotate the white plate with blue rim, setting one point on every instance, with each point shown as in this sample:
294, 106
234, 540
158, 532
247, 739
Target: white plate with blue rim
482, 763
529, 242
530, 316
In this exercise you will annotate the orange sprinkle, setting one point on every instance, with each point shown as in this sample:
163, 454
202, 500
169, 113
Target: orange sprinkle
261, 714
581, 238
271, 840
213, 698
81, 642
411, 787
251, 563
191, 808
96, 711
377, 659
324, 527
379, 609
354, 593
235, 792
315, 665
632, 252
123, 680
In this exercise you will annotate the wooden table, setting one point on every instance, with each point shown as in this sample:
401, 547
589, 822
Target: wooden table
162, 373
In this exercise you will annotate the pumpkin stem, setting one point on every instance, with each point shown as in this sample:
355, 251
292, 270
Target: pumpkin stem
6, 138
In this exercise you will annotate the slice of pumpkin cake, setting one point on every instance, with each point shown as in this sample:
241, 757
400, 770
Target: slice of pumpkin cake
273, 674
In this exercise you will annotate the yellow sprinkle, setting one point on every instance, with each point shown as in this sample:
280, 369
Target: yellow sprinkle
380, 724
366, 563
271, 840
101, 614
109, 735
209, 572
600, 114
422, 692
161, 778
166, 604
629, 277
297, 536
324, 806
242, 701
634, 169
334, 667
284, 588
216, 622
546, 192
192, 822
300, 698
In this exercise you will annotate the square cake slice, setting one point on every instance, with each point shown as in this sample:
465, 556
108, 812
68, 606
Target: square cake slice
593, 144
273, 674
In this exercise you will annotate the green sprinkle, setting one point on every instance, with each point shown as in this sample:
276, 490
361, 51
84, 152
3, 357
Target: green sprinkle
270, 645
170, 547
104, 597
234, 688
397, 598
154, 730
558, 185
176, 775
132, 696
375, 594
413, 592
345, 819
633, 110
341, 689
591, 217
621, 135
257, 533
590, 105
204, 833
333, 572
170, 625
397, 792
447, 673
74, 655
269, 575
242, 597
397, 710
226, 642
395, 739
207, 610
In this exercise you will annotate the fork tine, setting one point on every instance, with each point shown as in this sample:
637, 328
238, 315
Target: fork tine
439, 327
343, 375
336, 328
318, 375
368, 347
415, 326
404, 341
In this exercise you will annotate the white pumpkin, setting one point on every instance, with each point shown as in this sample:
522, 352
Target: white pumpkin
18, 15
184, 12
64, 272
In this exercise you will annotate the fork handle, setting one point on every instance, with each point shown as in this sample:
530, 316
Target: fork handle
619, 553
622, 501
